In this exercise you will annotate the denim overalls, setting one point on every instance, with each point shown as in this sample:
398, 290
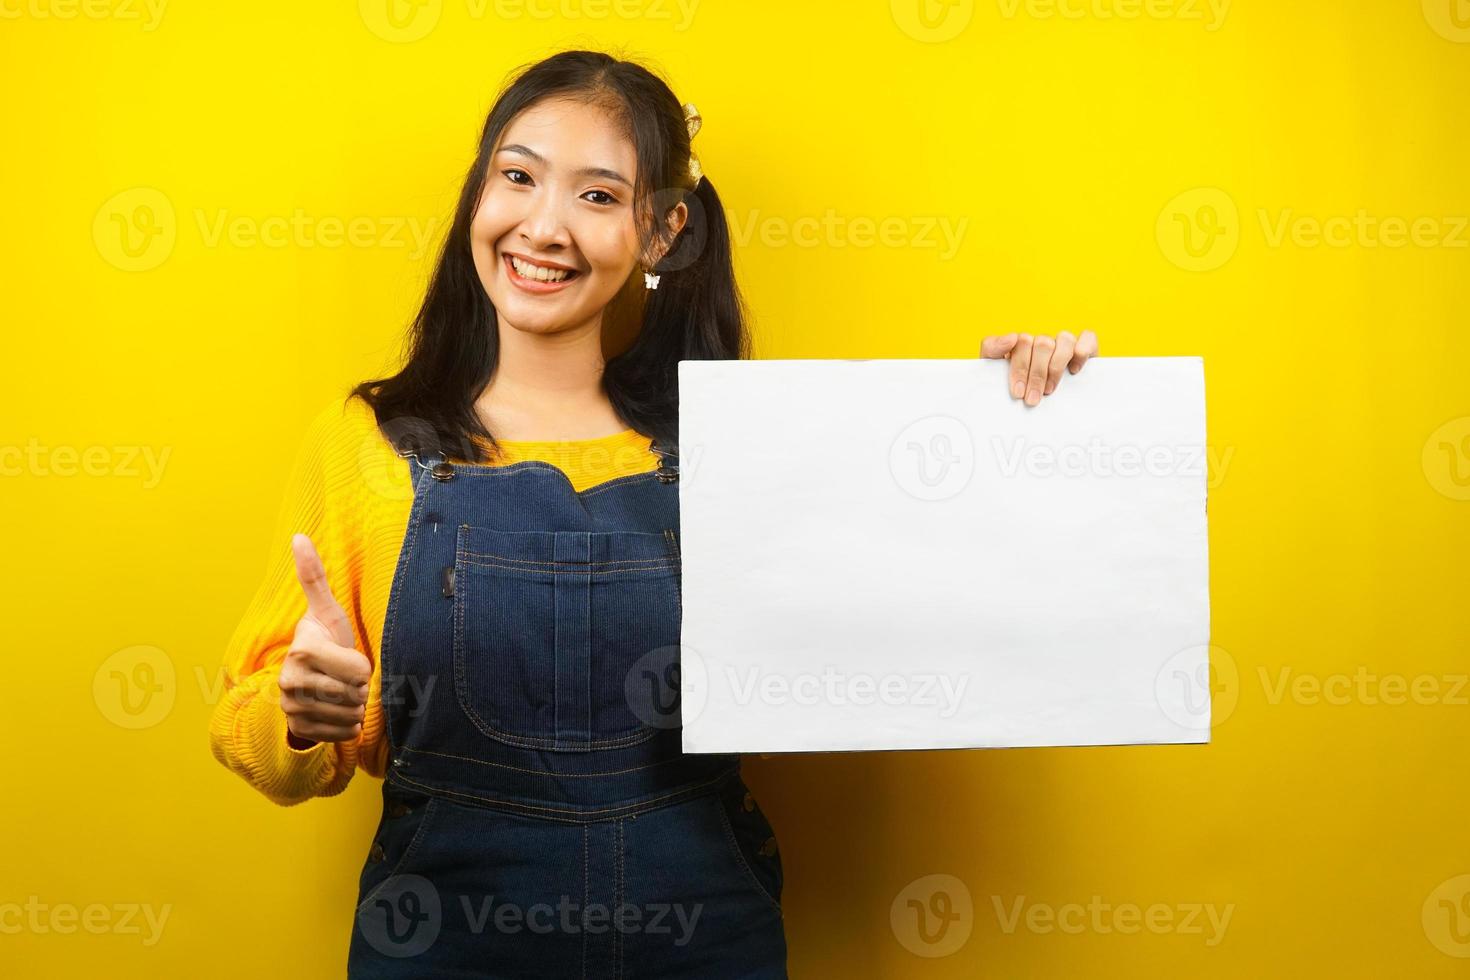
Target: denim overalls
539, 818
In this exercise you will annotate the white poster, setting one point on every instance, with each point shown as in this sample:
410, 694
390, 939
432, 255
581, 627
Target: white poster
895, 554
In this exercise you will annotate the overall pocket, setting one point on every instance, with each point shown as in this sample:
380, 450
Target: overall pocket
405, 823
548, 626
751, 839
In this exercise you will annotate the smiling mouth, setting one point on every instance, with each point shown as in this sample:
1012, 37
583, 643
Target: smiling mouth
537, 278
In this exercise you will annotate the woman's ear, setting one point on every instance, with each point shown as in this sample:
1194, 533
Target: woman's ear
675, 221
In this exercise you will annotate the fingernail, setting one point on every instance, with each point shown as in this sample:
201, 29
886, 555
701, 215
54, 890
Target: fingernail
1034, 398
1018, 390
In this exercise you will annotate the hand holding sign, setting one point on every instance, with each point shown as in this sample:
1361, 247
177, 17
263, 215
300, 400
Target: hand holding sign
324, 679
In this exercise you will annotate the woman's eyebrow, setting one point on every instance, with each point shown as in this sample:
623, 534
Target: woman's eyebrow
584, 172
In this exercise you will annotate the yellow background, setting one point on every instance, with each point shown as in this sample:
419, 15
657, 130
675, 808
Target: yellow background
1069, 148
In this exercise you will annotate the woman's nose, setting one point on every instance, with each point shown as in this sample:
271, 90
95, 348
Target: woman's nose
545, 222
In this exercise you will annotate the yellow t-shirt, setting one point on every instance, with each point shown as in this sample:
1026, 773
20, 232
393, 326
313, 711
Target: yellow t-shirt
350, 493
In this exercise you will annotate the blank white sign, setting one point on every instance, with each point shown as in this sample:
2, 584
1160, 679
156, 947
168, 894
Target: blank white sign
895, 554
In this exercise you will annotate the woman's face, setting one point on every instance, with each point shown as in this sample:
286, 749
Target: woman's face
553, 237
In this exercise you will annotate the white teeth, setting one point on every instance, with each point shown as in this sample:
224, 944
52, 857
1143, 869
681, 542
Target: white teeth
537, 272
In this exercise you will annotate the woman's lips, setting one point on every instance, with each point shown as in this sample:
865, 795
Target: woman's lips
534, 285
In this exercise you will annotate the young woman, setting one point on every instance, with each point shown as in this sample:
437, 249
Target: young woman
488, 547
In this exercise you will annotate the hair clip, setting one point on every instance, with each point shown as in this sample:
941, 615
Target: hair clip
692, 121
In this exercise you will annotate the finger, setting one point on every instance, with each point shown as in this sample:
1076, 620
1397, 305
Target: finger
998, 347
1020, 365
1036, 377
307, 710
319, 655
302, 678
1066, 344
321, 605
1086, 348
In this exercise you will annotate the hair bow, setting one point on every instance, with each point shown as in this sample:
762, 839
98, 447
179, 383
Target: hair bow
692, 121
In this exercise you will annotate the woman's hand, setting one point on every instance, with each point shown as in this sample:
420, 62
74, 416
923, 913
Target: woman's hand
1037, 361
324, 679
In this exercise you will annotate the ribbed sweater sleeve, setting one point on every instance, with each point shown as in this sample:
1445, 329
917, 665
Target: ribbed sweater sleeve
247, 730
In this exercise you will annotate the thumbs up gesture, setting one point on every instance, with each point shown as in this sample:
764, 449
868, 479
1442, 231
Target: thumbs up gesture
324, 679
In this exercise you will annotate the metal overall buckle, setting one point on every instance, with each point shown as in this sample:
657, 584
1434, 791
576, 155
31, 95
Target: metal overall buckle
441, 471
667, 472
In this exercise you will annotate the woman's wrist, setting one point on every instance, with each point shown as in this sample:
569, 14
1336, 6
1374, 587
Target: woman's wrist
299, 744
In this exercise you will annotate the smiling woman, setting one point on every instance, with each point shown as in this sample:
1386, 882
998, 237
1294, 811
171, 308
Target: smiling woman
492, 622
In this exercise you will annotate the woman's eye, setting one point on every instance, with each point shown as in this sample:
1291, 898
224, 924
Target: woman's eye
603, 197
509, 173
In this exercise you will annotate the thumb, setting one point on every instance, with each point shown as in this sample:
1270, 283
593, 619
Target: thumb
321, 605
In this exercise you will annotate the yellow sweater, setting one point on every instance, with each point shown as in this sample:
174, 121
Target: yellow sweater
350, 493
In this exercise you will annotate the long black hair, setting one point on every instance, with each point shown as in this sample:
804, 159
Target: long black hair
696, 312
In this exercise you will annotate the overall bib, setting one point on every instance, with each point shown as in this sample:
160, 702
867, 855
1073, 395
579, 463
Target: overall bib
539, 817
